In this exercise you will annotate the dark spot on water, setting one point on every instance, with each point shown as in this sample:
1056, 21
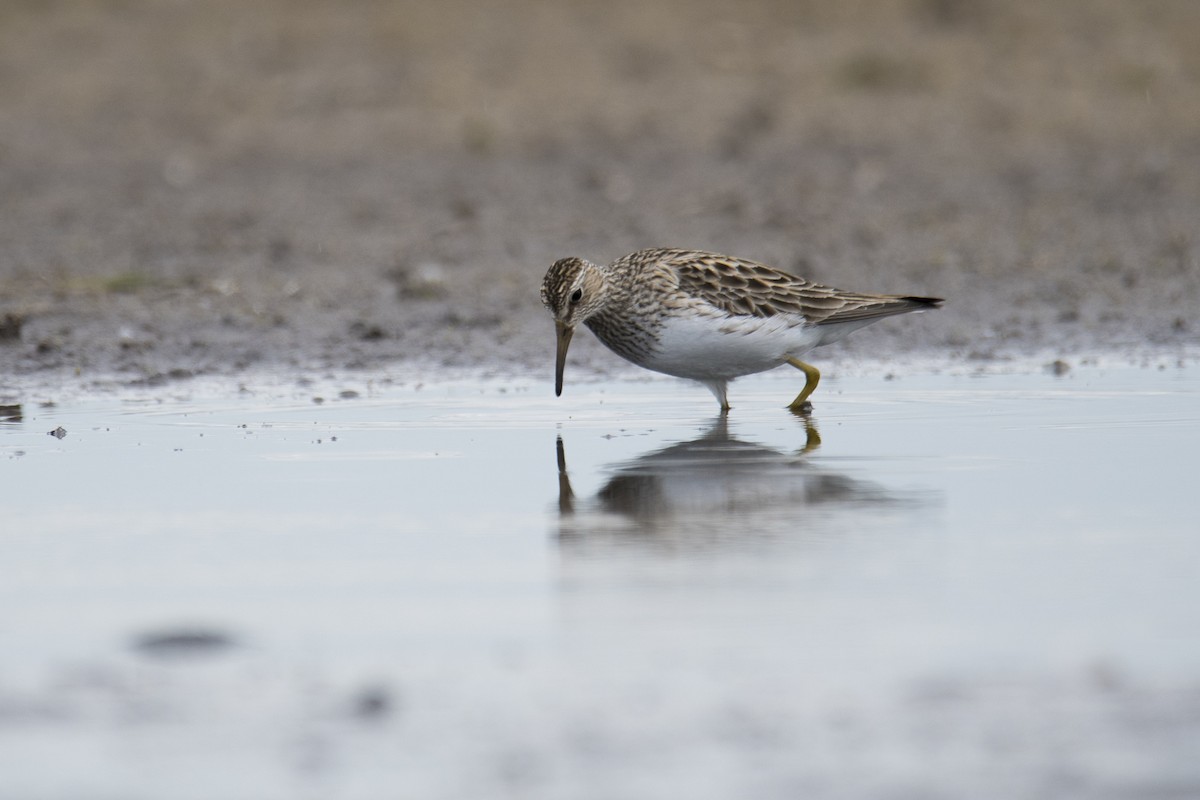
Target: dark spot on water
1059, 367
58, 432
183, 643
373, 702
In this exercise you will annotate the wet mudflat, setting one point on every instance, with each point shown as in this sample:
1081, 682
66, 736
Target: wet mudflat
940, 585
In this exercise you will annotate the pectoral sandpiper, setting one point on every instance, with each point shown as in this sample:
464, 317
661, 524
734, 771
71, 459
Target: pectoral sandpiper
707, 317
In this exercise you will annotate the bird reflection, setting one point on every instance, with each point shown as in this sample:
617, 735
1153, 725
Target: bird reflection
11, 413
715, 486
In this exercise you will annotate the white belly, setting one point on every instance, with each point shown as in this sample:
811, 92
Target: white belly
723, 348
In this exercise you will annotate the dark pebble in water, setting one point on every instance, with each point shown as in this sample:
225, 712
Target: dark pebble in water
372, 703
1059, 367
183, 643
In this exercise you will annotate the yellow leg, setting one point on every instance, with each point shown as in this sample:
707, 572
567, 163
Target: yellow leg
812, 376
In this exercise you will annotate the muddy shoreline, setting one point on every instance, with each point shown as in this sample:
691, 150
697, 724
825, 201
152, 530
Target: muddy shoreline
204, 189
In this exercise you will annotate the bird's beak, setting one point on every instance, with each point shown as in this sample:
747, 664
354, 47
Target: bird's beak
563, 333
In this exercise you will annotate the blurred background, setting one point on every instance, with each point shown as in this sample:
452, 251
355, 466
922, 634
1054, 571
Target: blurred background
201, 187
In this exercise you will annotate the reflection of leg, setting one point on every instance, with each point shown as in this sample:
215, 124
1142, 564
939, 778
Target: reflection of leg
566, 498
812, 438
812, 376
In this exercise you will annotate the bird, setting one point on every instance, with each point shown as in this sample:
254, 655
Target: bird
707, 317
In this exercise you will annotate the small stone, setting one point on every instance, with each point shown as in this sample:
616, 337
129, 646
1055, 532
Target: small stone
10, 327
367, 331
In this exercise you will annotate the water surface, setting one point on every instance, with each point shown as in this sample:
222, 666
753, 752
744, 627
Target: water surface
940, 585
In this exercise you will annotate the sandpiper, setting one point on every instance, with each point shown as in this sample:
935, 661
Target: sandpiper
707, 317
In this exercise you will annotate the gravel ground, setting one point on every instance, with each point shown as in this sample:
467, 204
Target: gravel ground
202, 188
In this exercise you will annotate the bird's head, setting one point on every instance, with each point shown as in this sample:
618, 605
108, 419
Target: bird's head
573, 290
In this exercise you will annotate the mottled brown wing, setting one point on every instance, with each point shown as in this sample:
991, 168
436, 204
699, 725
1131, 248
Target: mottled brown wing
746, 288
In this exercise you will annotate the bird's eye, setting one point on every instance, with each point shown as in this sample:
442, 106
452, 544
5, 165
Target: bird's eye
576, 296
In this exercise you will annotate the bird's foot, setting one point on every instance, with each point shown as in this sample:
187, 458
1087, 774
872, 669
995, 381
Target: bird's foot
801, 409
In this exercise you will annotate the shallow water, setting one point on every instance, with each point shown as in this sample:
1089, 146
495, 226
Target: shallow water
939, 585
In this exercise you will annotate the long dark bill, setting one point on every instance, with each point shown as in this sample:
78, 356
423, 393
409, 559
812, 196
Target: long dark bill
563, 334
